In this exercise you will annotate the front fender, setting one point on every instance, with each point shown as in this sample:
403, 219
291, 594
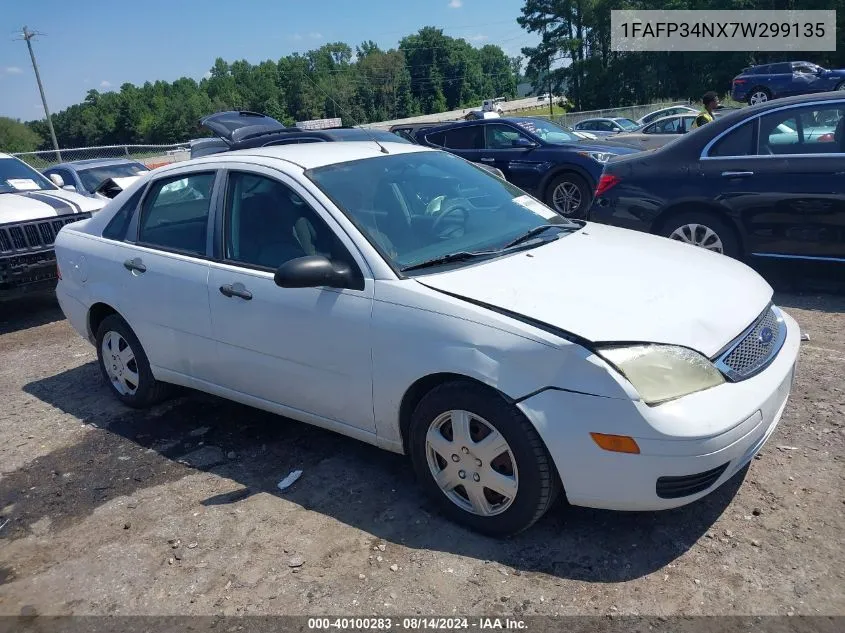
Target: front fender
420, 332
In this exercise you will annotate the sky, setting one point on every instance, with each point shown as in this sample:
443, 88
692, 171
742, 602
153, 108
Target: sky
101, 45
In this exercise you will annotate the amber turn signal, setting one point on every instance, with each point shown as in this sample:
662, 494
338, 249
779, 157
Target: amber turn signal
616, 443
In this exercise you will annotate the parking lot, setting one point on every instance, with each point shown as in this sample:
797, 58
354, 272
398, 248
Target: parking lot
105, 510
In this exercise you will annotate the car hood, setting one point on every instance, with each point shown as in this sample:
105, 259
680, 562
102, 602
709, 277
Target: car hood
592, 146
23, 206
607, 284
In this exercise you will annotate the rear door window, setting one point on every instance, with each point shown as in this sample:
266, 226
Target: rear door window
737, 142
175, 213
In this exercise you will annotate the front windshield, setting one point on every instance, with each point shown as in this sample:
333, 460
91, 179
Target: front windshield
94, 177
548, 131
17, 176
627, 124
418, 206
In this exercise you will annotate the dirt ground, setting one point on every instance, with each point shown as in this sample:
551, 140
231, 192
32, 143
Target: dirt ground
176, 511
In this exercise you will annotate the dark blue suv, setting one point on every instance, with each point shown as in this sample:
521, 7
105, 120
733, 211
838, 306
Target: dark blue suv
536, 155
758, 84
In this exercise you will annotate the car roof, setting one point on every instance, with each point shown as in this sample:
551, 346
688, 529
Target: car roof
94, 162
312, 155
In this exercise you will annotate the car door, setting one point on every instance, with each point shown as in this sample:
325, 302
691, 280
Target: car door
161, 270
467, 141
789, 197
512, 151
306, 349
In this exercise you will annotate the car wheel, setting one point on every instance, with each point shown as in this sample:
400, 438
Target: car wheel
759, 95
703, 230
481, 460
840, 85
569, 195
125, 366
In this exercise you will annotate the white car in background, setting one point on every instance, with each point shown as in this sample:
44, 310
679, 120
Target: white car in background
401, 296
32, 210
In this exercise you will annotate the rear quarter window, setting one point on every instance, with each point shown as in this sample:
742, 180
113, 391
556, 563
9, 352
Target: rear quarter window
119, 224
737, 142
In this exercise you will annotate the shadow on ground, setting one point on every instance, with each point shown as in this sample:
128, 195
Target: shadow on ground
28, 312
356, 484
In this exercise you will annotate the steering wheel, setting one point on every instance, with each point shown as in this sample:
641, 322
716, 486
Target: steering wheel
451, 207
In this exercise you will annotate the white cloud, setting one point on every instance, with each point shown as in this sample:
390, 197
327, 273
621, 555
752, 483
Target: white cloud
13, 70
456, 4
478, 38
295, 37
207, 75
315, 36
105, 84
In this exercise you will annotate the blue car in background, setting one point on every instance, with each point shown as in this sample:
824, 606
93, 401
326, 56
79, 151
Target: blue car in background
96, 177
759, 84
539, 157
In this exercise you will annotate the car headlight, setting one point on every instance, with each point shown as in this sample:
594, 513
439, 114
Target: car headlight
601, 157
663, 372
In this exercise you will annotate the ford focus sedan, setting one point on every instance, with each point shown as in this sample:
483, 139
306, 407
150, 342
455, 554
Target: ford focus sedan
406, 298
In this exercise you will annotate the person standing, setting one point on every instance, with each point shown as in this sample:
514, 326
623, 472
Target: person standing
710, 102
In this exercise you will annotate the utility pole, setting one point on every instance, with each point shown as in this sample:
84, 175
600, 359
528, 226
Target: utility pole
549, 76
28, 35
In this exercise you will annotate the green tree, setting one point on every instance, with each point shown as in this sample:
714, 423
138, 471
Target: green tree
16, 136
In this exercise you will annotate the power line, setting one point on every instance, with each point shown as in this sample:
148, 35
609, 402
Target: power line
28, 35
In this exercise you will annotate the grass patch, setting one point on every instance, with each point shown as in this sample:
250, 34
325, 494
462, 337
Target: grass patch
542, 110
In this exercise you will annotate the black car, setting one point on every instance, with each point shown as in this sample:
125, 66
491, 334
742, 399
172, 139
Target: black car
409, 131
766, 181
536, 155
242, 129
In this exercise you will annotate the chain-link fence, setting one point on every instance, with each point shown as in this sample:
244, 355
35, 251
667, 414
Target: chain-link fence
151, 155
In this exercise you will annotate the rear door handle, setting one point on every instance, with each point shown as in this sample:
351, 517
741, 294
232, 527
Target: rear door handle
135, 265
737, 174
235, 290
488, 160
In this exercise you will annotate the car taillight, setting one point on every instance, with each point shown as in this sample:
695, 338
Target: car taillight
606, 182
826, 138
58, 270
739, 81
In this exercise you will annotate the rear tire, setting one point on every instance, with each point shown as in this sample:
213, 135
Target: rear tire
759, 95
704, 230
569, 195
125, 366
463, 475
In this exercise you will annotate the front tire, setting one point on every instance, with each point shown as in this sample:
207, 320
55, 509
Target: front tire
124, 365
481, 460
704, 230
569, 195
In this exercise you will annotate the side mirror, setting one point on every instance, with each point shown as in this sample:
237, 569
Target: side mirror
523, 143
313, 271
57, 180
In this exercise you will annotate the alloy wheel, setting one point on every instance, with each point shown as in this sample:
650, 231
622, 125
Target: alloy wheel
699, 235
566, 198
759, 97
472, 463
120, 364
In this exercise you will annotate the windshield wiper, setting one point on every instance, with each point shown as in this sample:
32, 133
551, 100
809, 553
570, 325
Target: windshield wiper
537, 230
459, 256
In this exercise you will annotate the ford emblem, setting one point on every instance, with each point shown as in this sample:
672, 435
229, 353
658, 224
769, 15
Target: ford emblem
766, 336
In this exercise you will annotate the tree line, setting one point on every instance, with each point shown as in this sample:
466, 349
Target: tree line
428, 72
575, 53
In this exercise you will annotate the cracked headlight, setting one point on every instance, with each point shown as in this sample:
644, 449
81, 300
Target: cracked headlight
663, 372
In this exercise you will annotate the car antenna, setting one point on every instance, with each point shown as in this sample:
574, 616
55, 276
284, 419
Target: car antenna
381, 147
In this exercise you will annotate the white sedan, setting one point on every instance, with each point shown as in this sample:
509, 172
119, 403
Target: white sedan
406, 298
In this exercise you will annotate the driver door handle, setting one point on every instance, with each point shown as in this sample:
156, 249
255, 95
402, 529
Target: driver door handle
737, 174
236, 290
135, 265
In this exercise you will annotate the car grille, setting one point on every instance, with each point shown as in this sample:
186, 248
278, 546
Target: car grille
755, 348
34, 235
686, 485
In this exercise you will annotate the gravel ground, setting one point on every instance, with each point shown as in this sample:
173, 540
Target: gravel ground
176, 511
